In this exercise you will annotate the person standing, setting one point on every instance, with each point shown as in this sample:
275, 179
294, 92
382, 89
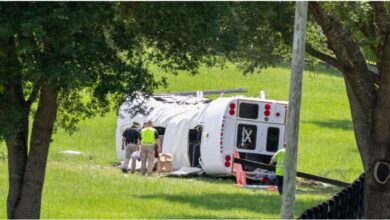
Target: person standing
130, 139
278, 158
149, 137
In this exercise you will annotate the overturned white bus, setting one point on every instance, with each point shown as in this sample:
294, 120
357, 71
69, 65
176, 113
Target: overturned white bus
203, 133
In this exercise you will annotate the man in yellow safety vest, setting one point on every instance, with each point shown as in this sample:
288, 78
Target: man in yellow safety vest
149, 137
278, 158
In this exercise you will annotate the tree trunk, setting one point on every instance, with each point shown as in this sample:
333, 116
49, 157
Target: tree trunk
16, 143
377, 192
17, 158
360, 126
370, 106
29, 204
376, 201
376, 196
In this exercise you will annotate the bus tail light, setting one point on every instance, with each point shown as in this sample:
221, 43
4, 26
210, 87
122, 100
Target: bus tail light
267, 108
228, 158
232, 108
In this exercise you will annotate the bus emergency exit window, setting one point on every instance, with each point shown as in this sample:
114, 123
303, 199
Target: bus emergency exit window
272, 139
248, 110
246, 136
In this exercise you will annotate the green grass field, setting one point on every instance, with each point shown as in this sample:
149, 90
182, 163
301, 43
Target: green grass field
89, 186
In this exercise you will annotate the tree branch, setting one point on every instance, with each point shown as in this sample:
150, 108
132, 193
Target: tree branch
380, 17
34, 92
369, 31
333, 61
322, 56
348, 55
379, 13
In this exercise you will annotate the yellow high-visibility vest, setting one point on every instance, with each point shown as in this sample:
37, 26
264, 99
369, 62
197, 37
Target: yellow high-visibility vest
279, 158
148, 136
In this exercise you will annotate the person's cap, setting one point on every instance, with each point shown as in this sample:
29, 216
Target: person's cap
136, 124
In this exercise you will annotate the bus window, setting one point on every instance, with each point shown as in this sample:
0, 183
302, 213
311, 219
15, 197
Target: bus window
194, 140
192, 136
161, 133
248, 110
272, 139
246, 136
160, 130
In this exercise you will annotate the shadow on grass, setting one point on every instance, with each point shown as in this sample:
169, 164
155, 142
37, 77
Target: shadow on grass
262, 203
345, 125
225, 201
318, 190
206, 179
189, 216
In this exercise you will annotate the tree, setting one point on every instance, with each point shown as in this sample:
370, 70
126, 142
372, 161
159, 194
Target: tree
53, 55
354, 37
50, 55
356, 34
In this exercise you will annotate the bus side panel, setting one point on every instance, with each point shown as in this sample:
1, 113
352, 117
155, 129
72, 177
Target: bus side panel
228, 141
119, 152
280, 114
211, 149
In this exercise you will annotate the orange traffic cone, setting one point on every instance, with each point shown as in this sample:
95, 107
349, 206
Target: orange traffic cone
240, 174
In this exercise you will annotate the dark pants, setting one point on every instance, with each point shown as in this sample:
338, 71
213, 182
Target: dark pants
279, 184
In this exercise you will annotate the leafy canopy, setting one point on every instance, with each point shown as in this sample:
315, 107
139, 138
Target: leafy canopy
97, 51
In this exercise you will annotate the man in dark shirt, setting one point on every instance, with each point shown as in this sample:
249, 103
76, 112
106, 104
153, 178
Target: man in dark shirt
130, 139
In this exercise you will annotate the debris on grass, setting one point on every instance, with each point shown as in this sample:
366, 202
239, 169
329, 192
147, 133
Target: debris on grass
72, 152
311, 183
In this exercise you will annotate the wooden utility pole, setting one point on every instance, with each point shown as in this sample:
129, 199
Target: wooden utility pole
290, 162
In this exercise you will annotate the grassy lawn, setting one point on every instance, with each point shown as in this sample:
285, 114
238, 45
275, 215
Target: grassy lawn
79, 188
88, 186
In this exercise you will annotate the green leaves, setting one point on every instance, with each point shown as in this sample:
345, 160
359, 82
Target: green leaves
359, 19
102, 50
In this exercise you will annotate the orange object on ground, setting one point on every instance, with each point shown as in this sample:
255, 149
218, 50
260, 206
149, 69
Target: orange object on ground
240, 174
272, 188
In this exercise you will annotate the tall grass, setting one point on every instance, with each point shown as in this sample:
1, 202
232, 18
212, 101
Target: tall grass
90, 186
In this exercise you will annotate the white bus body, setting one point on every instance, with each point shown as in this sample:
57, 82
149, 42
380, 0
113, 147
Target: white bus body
201, 133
